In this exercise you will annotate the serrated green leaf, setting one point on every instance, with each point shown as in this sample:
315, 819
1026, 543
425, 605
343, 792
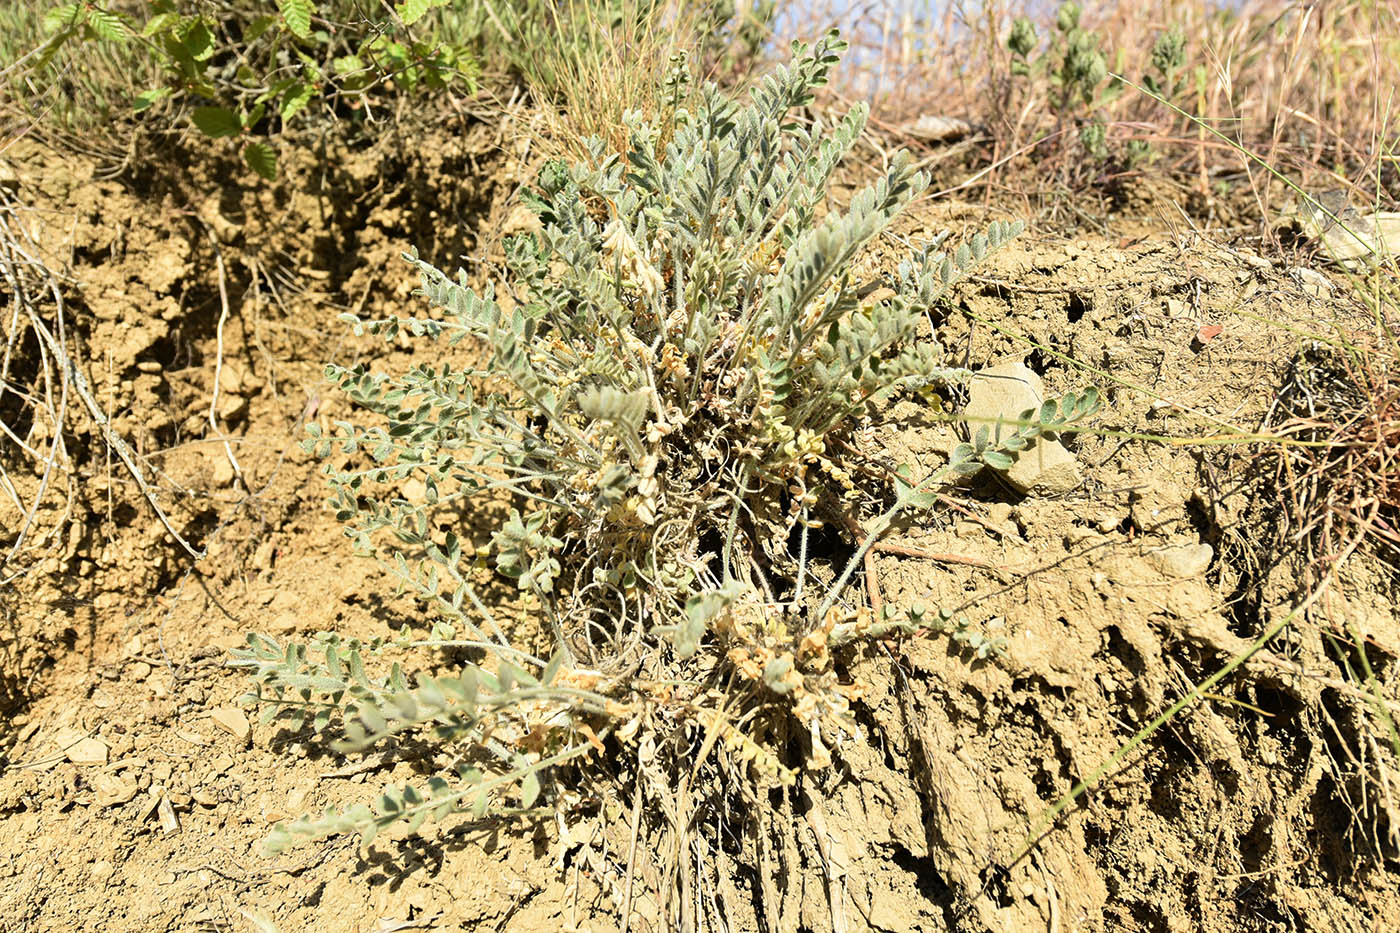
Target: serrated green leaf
107, 25
261, 158
295, 99
297, 15
62, 17
147, 99
216, 122
411, 11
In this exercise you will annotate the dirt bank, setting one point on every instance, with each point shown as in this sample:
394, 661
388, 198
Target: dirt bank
1260, 809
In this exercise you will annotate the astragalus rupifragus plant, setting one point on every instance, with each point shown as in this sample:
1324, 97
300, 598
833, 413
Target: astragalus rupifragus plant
670, 368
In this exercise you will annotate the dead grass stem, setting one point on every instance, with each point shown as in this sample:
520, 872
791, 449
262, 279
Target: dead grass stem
1341, 483
1306, 87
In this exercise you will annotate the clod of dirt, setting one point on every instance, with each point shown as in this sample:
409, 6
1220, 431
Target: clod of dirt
88, 751
1004, 393
232, 721
1183, 562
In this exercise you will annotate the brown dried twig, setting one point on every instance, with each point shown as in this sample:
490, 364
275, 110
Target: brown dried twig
29, 278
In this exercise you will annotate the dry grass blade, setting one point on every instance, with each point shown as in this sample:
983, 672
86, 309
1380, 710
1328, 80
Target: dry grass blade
1341, 483
1306, 88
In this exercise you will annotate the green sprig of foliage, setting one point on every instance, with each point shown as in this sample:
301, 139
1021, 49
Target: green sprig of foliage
485, 718
686, 339
991, 448
1075, 64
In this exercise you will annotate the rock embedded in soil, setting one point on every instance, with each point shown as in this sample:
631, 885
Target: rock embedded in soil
222, 473
113, 790
232, 409
1182, 561
88, 752
1004, 392
81, 749
232, 721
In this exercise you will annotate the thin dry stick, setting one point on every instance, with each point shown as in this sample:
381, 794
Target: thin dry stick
632, 854
219, 364
681, 820
902, 550
57, 415
73, 374
872, 585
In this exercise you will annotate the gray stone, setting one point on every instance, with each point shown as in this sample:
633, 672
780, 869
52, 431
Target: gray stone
1045, 467
1182, 561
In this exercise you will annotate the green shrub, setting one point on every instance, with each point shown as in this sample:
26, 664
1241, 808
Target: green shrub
671, 371
244, 71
